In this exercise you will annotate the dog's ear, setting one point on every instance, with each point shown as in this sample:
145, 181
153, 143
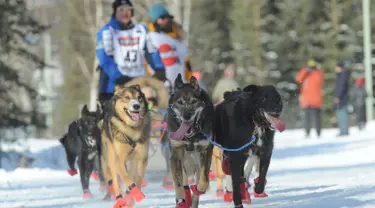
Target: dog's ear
84, 111
251, 88
194, 82
178, 83
118, 88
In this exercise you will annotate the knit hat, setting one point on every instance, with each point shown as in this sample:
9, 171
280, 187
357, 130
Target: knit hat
157, 10
311, 63
118, 3
360, 81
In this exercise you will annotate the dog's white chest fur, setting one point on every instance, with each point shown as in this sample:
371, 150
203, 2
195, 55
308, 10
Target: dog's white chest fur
259, 135
91, 155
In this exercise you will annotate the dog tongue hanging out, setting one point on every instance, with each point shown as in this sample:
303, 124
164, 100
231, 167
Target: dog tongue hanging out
276, 123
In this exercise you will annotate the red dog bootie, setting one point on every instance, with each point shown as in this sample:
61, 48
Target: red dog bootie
194, 189
228, 196
168, 183
129, 200
144, 183
261, 195
181, 203
136, 193
244, 192
102, 187
225, 165
87, 194
72, 172
212, 175
120, 202
95, 176
188, 200
219, 193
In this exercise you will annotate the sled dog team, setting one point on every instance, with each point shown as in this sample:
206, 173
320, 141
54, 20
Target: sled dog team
119, 132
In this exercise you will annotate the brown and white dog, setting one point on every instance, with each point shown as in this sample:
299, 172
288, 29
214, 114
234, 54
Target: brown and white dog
125, 139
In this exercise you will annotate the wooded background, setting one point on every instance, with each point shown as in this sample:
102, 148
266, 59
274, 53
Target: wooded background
267, 40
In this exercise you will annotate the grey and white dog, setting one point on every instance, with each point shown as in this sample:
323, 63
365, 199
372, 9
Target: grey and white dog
190, 120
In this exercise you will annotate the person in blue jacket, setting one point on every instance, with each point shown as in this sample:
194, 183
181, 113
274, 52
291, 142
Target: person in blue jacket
122, 53
341, 98
121, 50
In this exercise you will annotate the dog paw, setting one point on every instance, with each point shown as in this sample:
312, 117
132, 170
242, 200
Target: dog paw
194, 189
182, 205
72, 172
95, 176
120, 203
87, 195
247, 198
219, 193
212, 175
102, 187
261, 195
136, 193
228, 196
144, 183
129, 201
225, 166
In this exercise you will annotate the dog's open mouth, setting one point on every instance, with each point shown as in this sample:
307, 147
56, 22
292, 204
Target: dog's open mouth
181, 131
276, 123
134, 115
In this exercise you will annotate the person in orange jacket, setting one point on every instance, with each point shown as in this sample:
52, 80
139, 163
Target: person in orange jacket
311, 78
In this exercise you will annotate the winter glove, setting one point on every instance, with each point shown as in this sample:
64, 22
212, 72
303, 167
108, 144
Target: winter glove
122, 80
160, 75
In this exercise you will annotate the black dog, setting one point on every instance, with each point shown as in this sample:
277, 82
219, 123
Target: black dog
253, 111
83, 141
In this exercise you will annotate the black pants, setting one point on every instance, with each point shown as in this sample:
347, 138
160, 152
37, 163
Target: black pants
360, 112
309, 114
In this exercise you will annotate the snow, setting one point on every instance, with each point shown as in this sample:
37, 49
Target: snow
305, 173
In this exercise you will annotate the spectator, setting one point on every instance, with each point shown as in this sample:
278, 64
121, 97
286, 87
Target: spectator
226, 83
311, 79
359, 102
341, 99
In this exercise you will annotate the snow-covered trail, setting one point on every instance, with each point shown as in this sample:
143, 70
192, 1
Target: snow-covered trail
328, 172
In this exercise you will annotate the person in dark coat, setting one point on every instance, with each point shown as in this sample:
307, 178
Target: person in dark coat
359, 102
341, 99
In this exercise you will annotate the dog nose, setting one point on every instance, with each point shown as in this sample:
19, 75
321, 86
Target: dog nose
136, 106
187, 115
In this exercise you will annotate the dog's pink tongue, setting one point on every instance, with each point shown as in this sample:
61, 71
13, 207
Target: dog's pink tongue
135, 116
277, 123
180, 133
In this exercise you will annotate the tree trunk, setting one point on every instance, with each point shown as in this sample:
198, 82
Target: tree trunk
257, 45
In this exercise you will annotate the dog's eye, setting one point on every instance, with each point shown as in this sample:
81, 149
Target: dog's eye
180, 102
194, 101
127, 98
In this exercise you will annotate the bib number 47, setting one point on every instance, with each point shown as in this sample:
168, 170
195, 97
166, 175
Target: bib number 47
131, 57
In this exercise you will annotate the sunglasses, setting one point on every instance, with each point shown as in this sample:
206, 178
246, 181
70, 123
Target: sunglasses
165, 16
